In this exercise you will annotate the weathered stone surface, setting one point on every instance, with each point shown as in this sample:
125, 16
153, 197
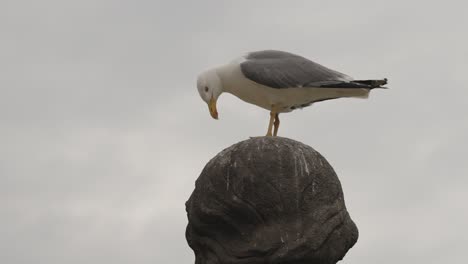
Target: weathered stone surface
269, 200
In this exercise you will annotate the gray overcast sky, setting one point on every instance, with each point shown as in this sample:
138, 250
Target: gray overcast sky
103, 133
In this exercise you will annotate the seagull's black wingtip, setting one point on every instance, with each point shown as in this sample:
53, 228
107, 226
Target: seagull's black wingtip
374, 83
384, 81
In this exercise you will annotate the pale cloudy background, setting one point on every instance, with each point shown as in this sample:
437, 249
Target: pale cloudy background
103, 134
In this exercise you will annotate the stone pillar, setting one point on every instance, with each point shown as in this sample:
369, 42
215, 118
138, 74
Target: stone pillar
269, 200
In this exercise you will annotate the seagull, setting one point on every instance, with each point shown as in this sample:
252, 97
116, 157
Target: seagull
279, 82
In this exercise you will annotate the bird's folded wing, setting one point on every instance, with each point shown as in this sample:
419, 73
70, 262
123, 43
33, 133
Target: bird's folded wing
277, 69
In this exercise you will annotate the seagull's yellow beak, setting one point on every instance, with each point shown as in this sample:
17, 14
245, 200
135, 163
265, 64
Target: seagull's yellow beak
212, 107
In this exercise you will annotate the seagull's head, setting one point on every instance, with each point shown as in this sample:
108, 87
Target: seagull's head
210, 88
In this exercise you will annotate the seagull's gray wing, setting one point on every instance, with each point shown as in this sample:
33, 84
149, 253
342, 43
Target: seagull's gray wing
279, 69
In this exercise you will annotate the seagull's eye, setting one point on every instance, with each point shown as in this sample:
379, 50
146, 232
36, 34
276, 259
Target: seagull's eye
206, 89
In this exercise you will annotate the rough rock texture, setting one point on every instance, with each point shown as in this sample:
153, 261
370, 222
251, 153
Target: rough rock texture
269, 200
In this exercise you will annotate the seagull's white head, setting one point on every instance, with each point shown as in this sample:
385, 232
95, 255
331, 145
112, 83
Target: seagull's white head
210, 88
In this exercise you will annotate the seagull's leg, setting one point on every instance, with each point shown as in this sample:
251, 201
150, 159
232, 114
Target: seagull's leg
270, 126
277, 123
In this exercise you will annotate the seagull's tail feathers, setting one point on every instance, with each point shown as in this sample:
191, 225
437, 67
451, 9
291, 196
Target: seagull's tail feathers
366, 84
